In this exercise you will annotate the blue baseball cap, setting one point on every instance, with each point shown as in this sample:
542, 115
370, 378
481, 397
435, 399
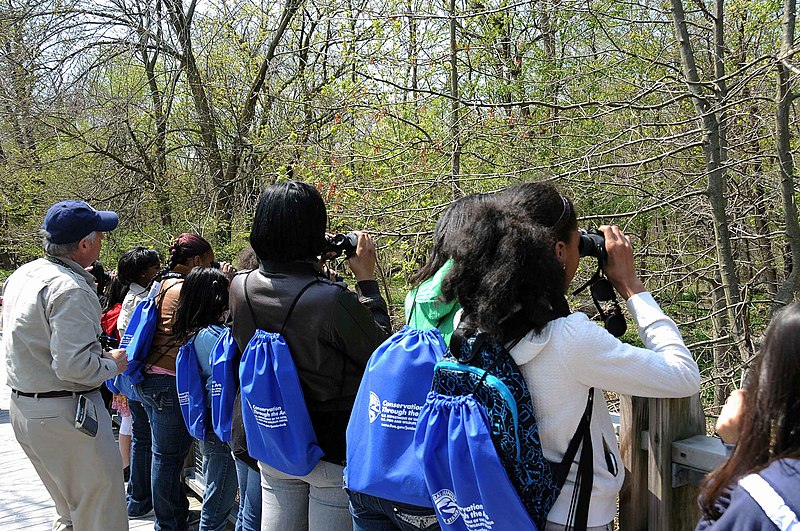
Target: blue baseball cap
71, 221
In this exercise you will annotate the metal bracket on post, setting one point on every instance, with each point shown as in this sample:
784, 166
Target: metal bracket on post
686, 475
695, 457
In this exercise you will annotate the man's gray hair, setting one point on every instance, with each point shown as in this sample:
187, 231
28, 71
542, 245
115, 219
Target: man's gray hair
63, 250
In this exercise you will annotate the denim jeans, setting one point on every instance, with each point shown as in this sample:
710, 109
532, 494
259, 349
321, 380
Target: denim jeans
316, 501
139, 493
219, 472
561, 527
171, 443
249, 517
371, 513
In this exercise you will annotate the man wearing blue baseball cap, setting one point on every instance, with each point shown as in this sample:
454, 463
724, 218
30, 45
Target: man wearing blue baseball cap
56, 365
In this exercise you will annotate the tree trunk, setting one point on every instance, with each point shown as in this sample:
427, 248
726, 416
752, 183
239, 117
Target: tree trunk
784, 98
181, 22
713, 148
455, 160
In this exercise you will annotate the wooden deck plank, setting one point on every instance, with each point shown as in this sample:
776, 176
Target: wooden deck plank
24, 502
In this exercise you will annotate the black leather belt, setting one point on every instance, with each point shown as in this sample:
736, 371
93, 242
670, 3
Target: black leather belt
53, 394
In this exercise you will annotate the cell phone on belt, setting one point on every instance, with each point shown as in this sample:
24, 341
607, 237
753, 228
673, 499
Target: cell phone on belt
86, 416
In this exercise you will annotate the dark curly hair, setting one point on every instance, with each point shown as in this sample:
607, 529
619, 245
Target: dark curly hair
455, 216
544, 205
202, 302
506, 274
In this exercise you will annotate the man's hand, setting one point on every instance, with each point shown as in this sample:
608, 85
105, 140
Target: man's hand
119, 356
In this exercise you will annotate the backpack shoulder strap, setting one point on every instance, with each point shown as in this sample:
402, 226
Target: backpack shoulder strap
295, 301
579, 507
164, 348
291, 307
771, 502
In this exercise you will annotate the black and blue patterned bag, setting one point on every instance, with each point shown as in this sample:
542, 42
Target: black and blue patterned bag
479, 367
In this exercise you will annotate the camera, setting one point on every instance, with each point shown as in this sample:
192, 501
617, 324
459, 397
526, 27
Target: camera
108, 342
341, 244
592, 243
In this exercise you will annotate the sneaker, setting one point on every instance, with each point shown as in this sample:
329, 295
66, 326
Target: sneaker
142, 515
193, 521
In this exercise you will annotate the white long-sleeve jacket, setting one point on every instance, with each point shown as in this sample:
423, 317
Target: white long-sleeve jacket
573, 354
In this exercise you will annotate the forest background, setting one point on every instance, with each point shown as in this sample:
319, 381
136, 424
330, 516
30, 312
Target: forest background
673, 118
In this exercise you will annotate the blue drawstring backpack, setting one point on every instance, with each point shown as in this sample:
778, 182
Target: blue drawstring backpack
276, 421
380, 434
139, 335
479, 370
136, 341
189, 382
223, 384
121, 383
468, 484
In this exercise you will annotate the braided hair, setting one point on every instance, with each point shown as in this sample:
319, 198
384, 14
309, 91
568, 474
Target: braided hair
185, 247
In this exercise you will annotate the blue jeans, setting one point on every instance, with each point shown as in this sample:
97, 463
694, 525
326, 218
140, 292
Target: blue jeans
138, 493
371, 513
316, 501
219, 472
171, 443
249, 518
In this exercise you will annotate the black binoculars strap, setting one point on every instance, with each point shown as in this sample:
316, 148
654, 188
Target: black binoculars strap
579, 506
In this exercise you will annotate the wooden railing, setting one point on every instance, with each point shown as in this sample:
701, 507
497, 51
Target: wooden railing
666, 454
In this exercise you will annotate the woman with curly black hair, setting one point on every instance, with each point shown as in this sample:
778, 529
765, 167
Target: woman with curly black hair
512, 268
758, 487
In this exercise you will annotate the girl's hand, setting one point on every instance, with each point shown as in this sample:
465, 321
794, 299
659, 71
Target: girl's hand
730, 418
620, 268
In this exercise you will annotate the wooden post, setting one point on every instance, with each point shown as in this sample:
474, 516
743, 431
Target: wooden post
633, 499
671, 419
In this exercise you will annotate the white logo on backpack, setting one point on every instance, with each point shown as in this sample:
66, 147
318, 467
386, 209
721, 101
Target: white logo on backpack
475, 518
374, 407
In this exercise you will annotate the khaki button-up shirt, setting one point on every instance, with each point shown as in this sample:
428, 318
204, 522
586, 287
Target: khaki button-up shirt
51, 316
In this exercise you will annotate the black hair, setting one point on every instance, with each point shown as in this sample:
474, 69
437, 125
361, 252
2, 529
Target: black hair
134, 262
506, 274
544, 205
770, 414
454, 217
100, 276
289, 224
201, 303
114, 293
